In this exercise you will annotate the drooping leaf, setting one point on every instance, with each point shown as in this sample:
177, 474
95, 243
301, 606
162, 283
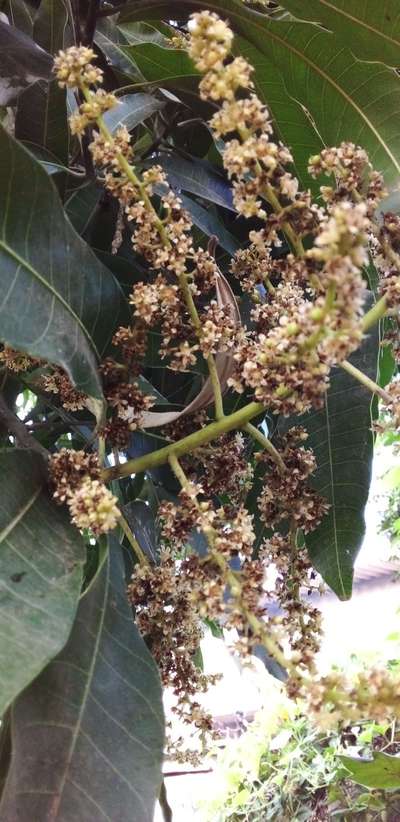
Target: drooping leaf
110, 40
46, 264
22, 63
88, 734
341, 438
198, 177
382, 771
132, 110
370, 30
346, 99
209, 222
41, 561
20, 15
41, 116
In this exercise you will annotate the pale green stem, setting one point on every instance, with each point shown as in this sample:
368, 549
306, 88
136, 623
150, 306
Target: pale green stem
362, 378
374, 314
184, 446
266, 444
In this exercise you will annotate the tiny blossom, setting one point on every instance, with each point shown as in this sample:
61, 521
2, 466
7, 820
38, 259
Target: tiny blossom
73, 67
68, 469
59, 383
93, 506
17, 361
210, 40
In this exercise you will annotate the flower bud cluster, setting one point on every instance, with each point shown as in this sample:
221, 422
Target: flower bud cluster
75, 476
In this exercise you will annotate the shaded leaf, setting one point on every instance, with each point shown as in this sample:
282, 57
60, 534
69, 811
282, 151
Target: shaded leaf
110, 40
82, 204
341, 438
22, 63
41, 562
41, 119
141, 520
132, 110
165, 67
383, 771
20, 15
45, 263
209, 222
198, 177
41, 116
370, 30
95, 715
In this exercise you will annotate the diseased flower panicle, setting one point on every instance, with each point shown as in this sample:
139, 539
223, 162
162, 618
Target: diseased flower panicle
68, 469
306, 317
59, 383
286, 495
17, 361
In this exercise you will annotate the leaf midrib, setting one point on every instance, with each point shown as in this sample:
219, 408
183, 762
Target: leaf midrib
27, 265
86, 692
358, 21
332, 482
20, 515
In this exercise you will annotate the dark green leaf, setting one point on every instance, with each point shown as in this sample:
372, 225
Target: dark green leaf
41, 119
132, 110
138, 33
20, 15
341, 438
82, 204
198, 177
22, 63
41, 561
343, 96
45, 263
208, 221
141, 520
370, 30
110, 40
383, 771
164, 67
41, 116
88, 734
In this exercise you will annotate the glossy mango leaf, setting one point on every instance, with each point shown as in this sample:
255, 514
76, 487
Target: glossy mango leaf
197, 177
370, 30
345, 99
341, 438
41, 562
132, 110
46, 264
95, 715
382, 771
